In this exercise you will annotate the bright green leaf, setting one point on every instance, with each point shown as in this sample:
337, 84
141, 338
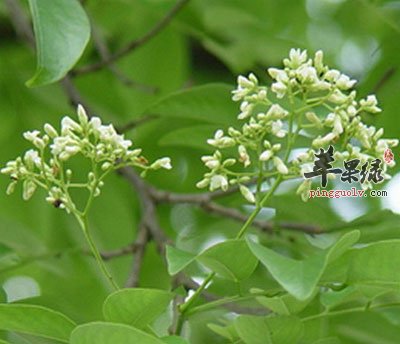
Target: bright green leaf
35, 320
269, 330
375, 263
228, 332
136, 307
62, 31
285, 304
178, 259
300, 277
208, 103
231, 259
333, 298
107, 333
195, 137
174, 340
330, 340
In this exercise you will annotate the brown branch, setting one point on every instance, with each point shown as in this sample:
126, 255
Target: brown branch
384, 79
204, 201
135, 43
120, 252
105, 54
135, 123
20, 22
140, 243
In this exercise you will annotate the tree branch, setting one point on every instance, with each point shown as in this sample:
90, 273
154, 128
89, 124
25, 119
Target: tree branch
135, 43
140, 243
105, 54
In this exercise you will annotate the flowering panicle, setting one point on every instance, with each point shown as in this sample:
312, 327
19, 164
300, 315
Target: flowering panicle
306, 99
90, 138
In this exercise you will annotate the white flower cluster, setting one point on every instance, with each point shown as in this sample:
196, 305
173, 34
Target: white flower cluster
307, 99
101, 144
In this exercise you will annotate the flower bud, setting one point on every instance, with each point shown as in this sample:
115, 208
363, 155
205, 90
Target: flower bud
247, 194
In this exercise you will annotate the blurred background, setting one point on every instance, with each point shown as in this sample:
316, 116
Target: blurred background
207, 42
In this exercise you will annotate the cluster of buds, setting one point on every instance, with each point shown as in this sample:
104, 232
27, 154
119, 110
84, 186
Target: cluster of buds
45, 165
306, 99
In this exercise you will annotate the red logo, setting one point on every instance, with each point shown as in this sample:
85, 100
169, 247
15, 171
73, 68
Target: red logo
388, 156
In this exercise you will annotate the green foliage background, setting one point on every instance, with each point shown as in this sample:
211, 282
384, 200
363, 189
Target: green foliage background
193, 63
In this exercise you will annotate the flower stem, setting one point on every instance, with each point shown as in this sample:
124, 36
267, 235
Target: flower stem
85, 228
186, 306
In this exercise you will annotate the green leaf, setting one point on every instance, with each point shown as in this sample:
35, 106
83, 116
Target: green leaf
178, 259
136, 307
208, 103
376, 263
106, 333
285, 304
62, 31
194, 137
231, 259
330, 340
35, 320
228, 332
3, 296
269, 330
252, 329
300, 277
334, 298
174, 340
4, 342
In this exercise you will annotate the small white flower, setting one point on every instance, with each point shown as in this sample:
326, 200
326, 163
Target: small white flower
28, 189
162, 163
279, 75
266, 155
218, 181
280, 166
332, 75
244, 156
203, 183
370, 104
95, 123
83, 118
68, 124
318, 60
279, 89
32, 158
296, 58
344, 82
307, 74
276, 112
276, 129
49, 129
337, 126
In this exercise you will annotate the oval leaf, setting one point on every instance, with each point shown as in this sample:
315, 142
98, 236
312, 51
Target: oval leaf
106, 333
35, 320
300, 277
231, 259
208, 103
136, 307
178, 259
62, 31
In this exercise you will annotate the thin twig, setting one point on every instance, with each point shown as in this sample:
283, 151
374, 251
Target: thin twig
105, 54
135, 123
384, 79
135, 43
